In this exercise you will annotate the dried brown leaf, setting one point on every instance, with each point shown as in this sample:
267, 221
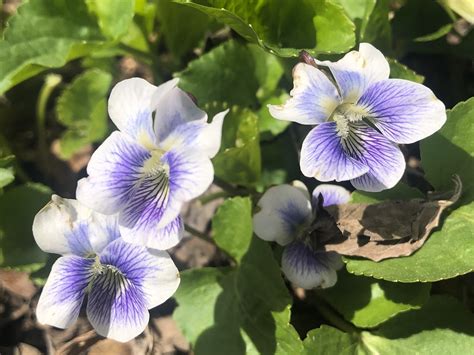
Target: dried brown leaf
388, 229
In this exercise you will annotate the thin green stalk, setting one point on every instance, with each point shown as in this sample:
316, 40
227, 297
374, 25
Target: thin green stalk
198, 234
51, 81
211, 197
332, 317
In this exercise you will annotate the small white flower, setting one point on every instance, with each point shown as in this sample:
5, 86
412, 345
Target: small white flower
286, 216
121, 280
154, 163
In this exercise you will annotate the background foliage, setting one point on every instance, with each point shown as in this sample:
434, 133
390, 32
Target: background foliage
59, 60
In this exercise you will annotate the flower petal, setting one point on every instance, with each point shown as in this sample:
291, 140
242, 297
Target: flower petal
357, 70
198, 135
314, 97
332, 194
283, 210
324, 158
404, 111
130, 107
151, 236
385, 161
65, 226
308, 269
191, 173
57, 227
114, 169
134, 280
63, 293
174, 108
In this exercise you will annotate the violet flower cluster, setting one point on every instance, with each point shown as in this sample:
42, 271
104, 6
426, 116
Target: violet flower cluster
112, 238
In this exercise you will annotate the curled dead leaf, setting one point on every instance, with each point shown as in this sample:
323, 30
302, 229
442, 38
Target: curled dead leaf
388, 229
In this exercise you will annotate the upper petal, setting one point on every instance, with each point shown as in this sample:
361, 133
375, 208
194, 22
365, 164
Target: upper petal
324, 157
308, 269
114, 169
63, 293
173, 109
357, 70
283, 210
385, 161
198, 135
130, 107
404, 111
314, 97
332, 194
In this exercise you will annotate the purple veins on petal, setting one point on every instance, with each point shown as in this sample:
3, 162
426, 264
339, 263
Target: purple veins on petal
309, 269
64, 291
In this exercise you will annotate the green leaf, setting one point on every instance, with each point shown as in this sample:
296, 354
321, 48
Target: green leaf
232, 226
442, 326
233, 73
7, 173
182, 27
373, 302
400, 71
400, 191
420, 19
448, 251
280, 161
377, 29
285, 27
82, 109
371, 20
115, 16
43, 35
239, 160
240, 310
18, 207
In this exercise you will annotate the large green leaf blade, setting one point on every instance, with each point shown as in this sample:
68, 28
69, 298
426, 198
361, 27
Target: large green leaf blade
442, 326
45, 34
240, 310
232, 226
373, 302
18, 206
82, 109
285, 27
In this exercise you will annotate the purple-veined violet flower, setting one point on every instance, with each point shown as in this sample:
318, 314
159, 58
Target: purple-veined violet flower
360, 116
157, 160
121, 280
287, 216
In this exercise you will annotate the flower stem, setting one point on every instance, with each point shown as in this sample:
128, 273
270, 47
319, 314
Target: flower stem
198, 234
51, 81
211, 197
331, 316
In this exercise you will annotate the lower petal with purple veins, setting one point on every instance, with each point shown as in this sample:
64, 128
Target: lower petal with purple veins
116, 307
63, 294
323, 156
308, 269
384, 159
130, 279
